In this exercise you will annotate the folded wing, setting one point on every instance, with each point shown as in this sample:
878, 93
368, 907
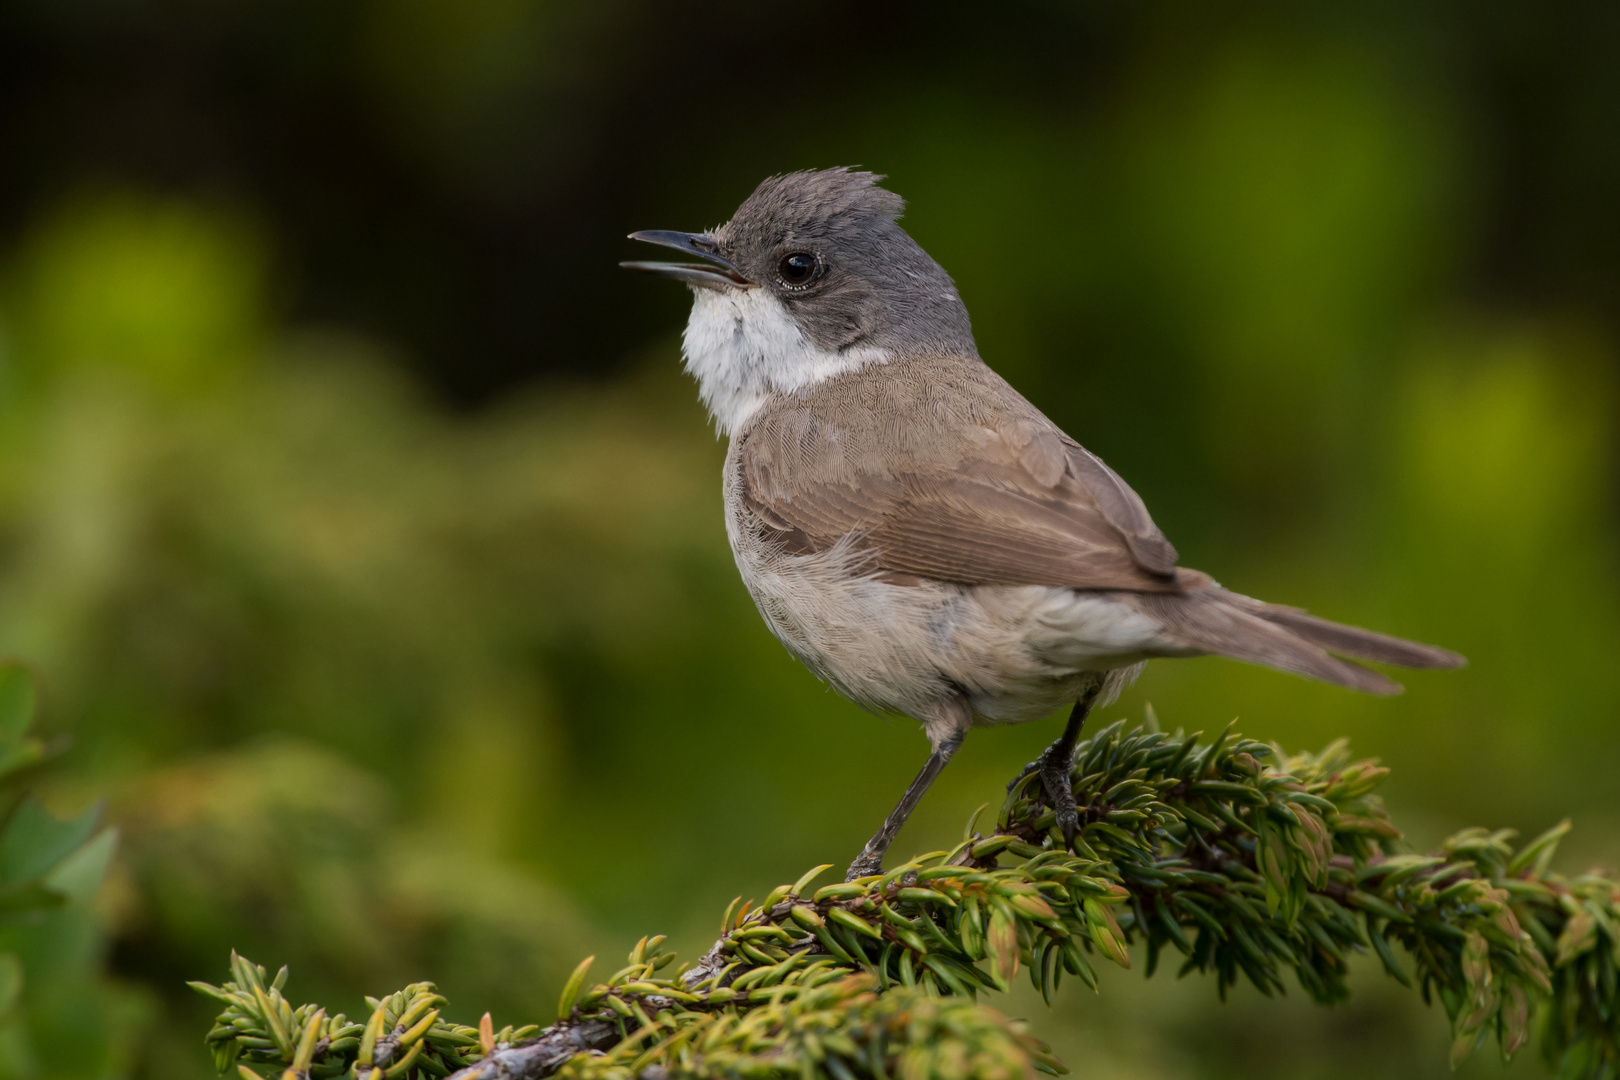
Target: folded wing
973, 486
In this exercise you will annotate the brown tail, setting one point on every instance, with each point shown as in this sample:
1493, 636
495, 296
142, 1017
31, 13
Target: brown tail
1213, 620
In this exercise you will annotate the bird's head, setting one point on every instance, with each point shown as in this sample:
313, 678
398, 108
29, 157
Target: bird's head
827, 250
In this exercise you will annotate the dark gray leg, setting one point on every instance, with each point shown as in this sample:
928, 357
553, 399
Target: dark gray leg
870, 860
1055, 763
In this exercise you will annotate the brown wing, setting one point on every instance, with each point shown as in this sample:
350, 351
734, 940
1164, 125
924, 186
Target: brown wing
940, 470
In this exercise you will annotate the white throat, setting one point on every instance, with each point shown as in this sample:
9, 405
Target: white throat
742, 346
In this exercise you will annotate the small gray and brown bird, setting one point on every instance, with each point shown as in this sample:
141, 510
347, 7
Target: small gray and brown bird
912, 529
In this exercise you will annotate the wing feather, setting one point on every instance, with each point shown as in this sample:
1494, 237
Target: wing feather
947, 473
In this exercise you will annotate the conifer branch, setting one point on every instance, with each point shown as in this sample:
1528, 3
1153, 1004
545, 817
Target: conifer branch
1244, 863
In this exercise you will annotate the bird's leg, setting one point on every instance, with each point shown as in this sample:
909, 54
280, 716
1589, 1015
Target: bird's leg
870, 860
1055, 763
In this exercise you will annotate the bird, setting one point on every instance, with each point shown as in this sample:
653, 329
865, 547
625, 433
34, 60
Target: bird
910, 527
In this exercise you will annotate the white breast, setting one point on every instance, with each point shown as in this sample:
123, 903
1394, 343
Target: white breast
743, 344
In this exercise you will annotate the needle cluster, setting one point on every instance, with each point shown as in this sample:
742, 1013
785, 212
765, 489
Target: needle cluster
1233, 858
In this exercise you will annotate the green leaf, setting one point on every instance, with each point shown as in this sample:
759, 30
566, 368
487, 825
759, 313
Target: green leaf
1002, 941
79, 875
34, 841
1105, 932
1580, 934
16, 702
570, 991
804, 882
1539, 852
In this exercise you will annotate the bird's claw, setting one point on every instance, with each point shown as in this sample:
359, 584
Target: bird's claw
1056, 778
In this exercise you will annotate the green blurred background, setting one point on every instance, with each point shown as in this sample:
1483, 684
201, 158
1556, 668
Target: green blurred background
366, 535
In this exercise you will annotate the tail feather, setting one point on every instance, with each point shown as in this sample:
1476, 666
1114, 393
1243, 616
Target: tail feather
1213, 620
1359, 643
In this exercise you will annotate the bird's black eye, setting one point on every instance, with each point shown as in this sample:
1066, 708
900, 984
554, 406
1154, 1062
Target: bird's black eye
798, 268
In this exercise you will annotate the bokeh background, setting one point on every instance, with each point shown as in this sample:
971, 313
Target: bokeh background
366, 535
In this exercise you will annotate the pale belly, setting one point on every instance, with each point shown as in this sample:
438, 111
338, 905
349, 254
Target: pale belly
1015, 653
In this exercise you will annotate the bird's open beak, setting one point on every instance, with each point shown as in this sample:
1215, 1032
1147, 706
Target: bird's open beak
722, 275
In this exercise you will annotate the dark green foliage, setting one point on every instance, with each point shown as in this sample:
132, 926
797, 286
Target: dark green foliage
1245, 863
49, 869
34, 844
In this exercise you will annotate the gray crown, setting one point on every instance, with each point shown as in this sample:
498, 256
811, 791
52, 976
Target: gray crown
876, 286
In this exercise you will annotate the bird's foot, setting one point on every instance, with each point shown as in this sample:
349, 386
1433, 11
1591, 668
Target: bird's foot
1055, 775
1053, 766
866, 864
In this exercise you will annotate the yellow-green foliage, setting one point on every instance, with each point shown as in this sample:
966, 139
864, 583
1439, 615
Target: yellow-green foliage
1248, 864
